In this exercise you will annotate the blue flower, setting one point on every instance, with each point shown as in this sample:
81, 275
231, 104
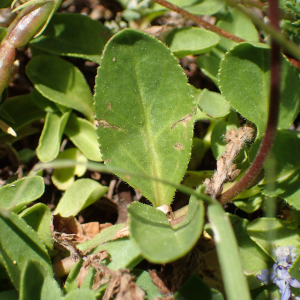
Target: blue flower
280, 275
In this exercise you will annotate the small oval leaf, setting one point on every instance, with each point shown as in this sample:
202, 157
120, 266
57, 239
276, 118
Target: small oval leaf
82, 193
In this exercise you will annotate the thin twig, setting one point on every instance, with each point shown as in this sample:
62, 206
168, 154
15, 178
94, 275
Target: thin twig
199, 21
270, 133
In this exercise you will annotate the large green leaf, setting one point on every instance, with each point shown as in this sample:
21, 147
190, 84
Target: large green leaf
229, 258
244, 77
73, 35
191, 41
158, 240
82, 193
14, 196
61, 82
144, 112
19, 243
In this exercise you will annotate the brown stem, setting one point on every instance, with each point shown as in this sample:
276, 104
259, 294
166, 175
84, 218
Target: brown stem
270, 133
199, 21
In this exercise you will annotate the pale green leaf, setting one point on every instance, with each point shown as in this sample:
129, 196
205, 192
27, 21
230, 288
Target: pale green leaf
50, 139
81, 194
206, 7
213, 104
149, 113
82, 133
190, 41
63, 178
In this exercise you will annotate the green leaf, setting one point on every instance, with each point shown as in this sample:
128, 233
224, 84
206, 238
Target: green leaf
249, 205
194, 287
81, 194
62, 83
18, 244
39, 218
83, 135
209, 66
123, 253
71, 282
103, 237
285, 157
195, 178
37, 284
261, 230
206, 7
213, 104
21, 110
143, 279
73, 35
149, 113
244, 78
50, 139
9, 295
86, 294
158, 240
63, 178
43, 103
229, 258
5, 3
254, 259
14, 196
238, 24
191, 41
294, 269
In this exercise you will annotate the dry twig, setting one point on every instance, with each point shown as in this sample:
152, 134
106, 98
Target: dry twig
226, 169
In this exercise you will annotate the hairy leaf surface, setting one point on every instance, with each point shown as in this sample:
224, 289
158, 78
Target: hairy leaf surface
144, 112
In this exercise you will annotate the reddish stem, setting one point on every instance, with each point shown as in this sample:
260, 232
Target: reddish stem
199, 21
270, 133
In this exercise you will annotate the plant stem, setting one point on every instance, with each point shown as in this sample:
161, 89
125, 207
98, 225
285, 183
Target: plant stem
270, 133
199, 21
